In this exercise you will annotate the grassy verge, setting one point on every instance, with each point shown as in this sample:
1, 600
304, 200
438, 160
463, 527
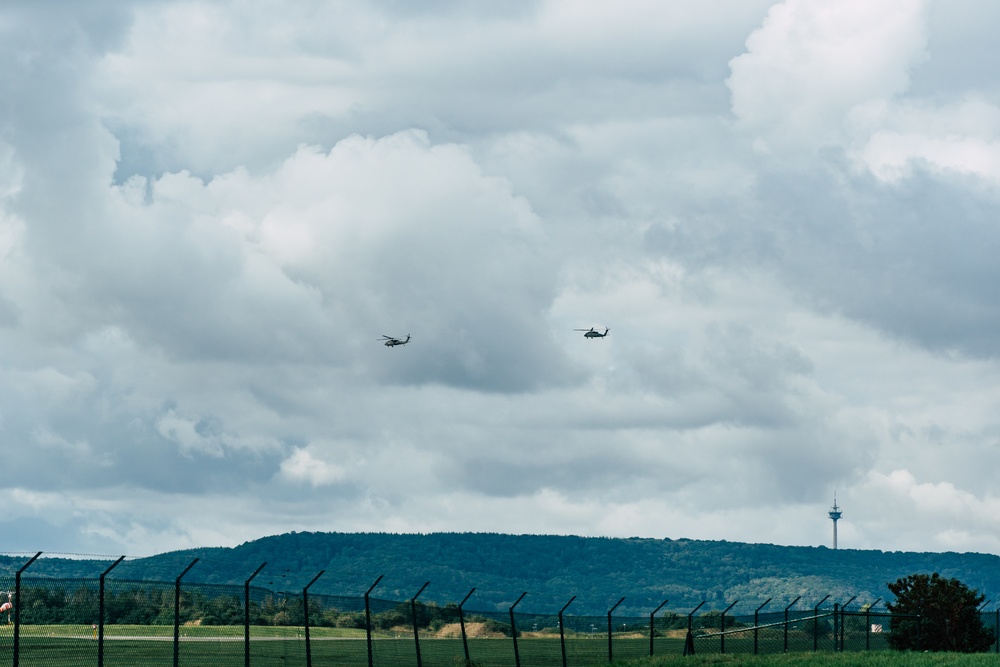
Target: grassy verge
199, 631
872, 659
151, 646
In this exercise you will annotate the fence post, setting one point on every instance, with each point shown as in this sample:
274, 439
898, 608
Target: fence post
17, 608
980, 613
413, 614
461, 623
816, 623
689, 639
786, 621
843, 617
513, 629
836, 630
368, 619
610, 658
177, 611
562, 635
756, 622
100, 613
651, 630
868, 624
246, 615
305, 616
722, 629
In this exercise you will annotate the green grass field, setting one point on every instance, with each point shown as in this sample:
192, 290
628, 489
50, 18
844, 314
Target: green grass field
214, 646
194, 631
875, 659
65, 646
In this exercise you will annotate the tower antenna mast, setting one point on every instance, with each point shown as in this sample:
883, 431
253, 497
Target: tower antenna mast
835, 515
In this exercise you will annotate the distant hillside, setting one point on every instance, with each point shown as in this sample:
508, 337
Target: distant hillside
551, 569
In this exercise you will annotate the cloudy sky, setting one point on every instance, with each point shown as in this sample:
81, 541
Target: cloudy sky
786, 212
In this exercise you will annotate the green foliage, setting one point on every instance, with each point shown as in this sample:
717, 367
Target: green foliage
598, 571
56, 602
932, 613
355, 620
46, 606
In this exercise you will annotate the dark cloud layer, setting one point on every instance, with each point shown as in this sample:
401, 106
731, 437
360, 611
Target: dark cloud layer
210, 213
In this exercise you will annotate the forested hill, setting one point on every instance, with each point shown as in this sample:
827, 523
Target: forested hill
551, 569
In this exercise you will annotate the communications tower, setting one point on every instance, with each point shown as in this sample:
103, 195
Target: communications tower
835, 515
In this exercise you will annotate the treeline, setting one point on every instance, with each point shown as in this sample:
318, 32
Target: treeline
598, 571
57, 605
54, 604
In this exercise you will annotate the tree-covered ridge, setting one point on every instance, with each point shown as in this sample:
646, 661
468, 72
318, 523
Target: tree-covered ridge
551, 569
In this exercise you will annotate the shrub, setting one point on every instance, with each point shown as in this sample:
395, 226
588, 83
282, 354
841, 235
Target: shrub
932, 613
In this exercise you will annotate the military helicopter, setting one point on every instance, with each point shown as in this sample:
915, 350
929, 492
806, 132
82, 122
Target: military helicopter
592, 333
393, 342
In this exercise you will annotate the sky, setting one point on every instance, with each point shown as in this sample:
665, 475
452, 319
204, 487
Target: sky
211, 211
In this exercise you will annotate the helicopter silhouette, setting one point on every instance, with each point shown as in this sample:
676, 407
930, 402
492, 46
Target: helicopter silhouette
593, 333
393, 342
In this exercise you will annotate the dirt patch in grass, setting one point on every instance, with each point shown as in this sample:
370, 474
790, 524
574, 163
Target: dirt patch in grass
472, 630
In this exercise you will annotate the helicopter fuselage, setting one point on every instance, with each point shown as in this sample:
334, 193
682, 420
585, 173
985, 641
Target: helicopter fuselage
596, 334
393, 342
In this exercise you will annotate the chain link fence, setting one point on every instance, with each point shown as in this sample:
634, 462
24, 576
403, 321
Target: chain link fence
106, 621
819, 629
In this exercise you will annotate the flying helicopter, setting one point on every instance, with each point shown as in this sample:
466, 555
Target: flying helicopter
393, 342
593, 333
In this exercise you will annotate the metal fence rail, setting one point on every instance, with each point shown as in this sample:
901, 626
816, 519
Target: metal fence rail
828, 630
106, 621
